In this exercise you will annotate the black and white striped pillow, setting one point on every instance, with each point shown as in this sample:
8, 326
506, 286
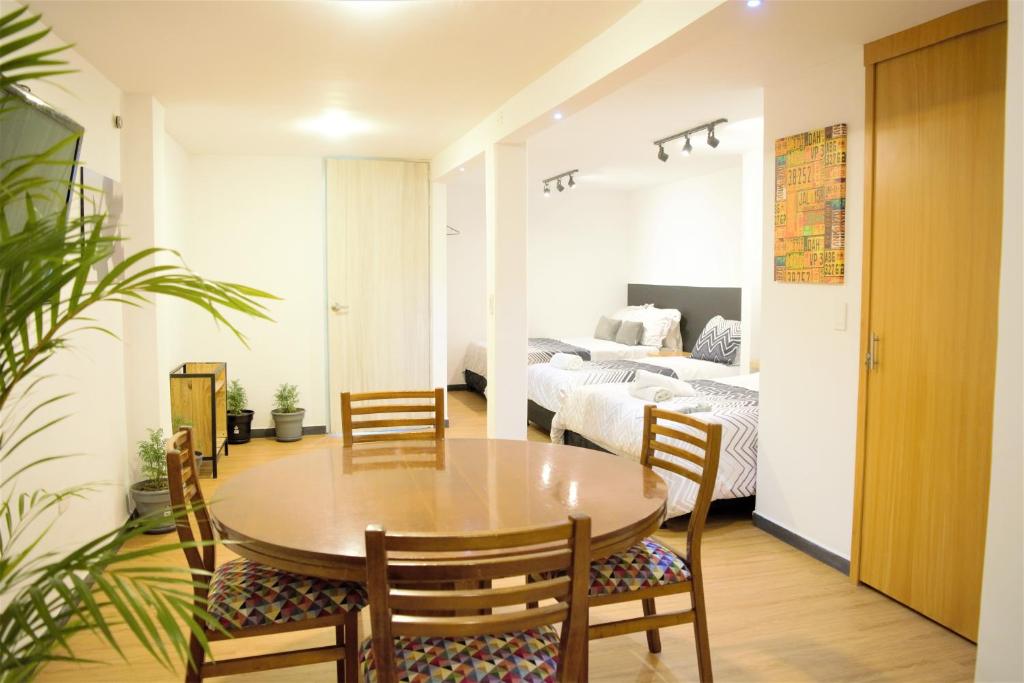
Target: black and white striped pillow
719, 342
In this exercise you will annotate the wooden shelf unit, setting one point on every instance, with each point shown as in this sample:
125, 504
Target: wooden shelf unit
199, 399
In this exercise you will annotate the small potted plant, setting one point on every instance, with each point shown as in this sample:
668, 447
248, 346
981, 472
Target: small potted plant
239, 417
287, 415
151, 496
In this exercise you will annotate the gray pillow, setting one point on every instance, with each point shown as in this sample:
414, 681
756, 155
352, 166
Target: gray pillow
606, 328
630, 332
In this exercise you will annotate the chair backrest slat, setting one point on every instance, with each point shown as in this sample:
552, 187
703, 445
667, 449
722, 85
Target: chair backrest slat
424, 585
188, 501
698, 445
434, 425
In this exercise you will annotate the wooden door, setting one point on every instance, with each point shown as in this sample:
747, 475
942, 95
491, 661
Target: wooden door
932, 305
378, 286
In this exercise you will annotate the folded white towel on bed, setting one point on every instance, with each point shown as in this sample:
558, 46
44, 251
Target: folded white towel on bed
677, 387
566, 361
652, 394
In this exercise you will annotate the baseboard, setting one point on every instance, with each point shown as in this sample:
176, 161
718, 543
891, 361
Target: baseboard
800, 543
270, 431
458, 387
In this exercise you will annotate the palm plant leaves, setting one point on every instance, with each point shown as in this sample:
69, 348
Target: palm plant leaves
47, 286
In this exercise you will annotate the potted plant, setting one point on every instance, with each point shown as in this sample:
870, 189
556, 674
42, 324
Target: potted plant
151, 496
239, 417
287, 415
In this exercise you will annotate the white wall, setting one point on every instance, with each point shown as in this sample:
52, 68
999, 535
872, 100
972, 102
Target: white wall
92, 369
809, 370
689, 232
1001, 632
260, 221
467, 273
578, 263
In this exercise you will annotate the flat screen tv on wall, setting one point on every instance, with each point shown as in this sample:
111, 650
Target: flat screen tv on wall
29, 126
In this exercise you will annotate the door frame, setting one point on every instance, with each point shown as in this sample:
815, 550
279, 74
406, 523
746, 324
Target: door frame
966, 20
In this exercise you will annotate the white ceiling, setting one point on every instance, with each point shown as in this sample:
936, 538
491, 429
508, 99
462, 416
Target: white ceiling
404, 78
717, 68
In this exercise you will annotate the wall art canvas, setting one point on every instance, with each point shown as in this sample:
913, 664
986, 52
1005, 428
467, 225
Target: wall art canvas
810, 206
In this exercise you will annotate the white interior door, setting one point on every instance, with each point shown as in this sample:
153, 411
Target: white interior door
378, 277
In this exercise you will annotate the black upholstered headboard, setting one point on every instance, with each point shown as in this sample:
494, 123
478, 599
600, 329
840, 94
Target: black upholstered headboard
697, 304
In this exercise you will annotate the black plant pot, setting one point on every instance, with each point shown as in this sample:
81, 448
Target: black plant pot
240, 427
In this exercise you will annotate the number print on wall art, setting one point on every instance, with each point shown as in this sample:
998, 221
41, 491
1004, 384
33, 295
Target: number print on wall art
810, 206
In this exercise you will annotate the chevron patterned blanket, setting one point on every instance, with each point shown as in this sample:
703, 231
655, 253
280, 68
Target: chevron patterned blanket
542, 349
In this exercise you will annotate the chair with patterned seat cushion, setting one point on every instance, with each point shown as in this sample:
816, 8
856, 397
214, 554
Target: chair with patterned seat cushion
246, 598
649, 569
432, 602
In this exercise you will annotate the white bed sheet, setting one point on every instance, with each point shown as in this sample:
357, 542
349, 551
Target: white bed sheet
608, 416
548, 386
600, 349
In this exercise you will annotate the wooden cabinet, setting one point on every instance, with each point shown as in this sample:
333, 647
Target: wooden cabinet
199, 399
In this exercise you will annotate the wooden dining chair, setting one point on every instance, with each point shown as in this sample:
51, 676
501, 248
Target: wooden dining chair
246, 598
374, 417
438, 631
649, 570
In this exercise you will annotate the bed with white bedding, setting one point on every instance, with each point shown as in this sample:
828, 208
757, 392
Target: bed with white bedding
540, 350
606, 416
548, 386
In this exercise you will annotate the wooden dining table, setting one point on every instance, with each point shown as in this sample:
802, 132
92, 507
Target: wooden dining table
308, 513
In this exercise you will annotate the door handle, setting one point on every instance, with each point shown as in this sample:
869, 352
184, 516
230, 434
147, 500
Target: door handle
871, 359
338, 308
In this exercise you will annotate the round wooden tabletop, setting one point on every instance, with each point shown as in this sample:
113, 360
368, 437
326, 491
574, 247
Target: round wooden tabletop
308, 513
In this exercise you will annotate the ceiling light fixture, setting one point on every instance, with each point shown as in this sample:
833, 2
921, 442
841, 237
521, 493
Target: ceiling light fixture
753, 3
462, 169
557, 180
557, 116
687, 147
335, 124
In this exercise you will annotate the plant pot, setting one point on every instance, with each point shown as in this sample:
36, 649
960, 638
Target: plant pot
288, 426
153, 503
240, 427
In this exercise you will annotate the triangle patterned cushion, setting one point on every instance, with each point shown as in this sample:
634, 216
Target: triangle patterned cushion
244, 594
646, 564
530, 655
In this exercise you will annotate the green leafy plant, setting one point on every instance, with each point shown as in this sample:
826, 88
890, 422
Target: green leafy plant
153, 458
286, 398
47, 288
238, 400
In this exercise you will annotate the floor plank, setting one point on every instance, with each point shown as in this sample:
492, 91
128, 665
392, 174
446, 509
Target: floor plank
775, 614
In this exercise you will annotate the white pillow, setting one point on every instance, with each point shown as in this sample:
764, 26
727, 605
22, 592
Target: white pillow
657, 321
655, 332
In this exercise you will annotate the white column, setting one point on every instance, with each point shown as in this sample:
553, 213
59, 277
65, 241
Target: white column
147, 392
506, 291
439, 287
752, 244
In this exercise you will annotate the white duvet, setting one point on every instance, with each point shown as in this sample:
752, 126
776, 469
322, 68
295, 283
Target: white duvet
600, 349
548, 386
609, 417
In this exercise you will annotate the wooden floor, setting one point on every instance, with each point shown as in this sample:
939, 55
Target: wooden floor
775, 614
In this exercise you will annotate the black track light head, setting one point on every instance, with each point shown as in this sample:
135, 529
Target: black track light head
687, 147
661, 153
559, 186
712, 140
547, 190
572, 182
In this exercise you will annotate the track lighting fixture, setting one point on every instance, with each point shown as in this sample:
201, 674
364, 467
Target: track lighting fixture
557, 180
687, 145
712, 140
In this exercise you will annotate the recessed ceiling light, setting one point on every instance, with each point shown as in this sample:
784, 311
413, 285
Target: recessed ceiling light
557, 116
335, 123
462, 169
753, 3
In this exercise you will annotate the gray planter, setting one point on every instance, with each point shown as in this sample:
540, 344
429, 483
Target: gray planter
288, 426
155, 504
